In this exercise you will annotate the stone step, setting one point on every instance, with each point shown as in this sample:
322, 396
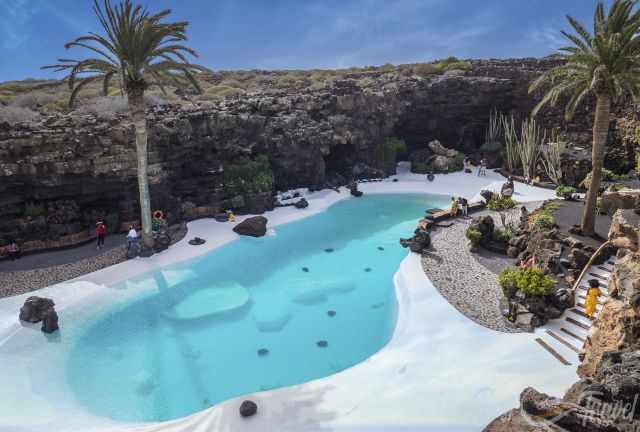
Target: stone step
581, 313
573, 334
578, 323
553, 352
563, 342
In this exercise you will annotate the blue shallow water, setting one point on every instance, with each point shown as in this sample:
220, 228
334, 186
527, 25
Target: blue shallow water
195, 339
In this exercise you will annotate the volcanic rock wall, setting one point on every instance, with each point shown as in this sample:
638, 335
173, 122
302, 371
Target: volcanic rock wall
59, 175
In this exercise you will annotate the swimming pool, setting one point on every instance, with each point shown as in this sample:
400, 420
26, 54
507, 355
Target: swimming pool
256, 314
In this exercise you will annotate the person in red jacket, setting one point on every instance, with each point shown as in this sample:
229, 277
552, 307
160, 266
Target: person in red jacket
100, 231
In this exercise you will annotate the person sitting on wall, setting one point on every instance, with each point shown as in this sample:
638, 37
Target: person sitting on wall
13, 251
464, 206
232, 216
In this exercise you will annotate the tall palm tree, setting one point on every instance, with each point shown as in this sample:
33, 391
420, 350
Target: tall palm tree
137, 50
605, 65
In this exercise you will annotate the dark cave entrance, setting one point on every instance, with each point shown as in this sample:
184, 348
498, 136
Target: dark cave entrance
339, 162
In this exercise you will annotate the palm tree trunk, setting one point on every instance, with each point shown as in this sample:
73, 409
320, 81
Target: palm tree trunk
600, 134
137, 113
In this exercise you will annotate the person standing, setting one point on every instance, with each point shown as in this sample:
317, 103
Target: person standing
132, 237
101, 230
464, 206
454, 207
13, 251
592, 297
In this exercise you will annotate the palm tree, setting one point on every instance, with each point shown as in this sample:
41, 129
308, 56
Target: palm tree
605, 65
137, 50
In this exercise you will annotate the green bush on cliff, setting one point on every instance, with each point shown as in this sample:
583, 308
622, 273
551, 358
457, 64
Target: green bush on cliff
249, 176
565, 192
638, 164
500, 203
386, 152
452, 63
607, 175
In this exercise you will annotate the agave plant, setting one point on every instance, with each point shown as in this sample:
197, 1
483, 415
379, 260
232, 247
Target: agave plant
136, 50
605, 64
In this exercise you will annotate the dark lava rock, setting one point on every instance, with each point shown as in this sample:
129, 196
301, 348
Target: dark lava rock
248, 409
395, 180
331, 313
254, 227
380, 248
322, 344
197, 241
419, 243
328, 250
368, 269
301, 204
50, 321
161, 240
487, 195
145, 251
353, 188
507, 189
263, 352
35, 309
305, 269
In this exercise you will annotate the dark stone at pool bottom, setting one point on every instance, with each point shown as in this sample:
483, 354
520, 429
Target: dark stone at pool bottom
263, 352
380, 248
331, 313
322, 344
248, 409
305, 269
328, 250
368, 269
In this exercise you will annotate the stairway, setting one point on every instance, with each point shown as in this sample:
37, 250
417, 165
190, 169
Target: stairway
564, 337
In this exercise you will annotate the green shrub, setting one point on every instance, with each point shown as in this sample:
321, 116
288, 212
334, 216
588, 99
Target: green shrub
508, 281
543, 221
565, 192
638, 164
33, 210
474, 236
503, 235
249, 177
500, 203
534, 282
387, 151
607, 175
425, 69
531, 282
221, 91
452, 63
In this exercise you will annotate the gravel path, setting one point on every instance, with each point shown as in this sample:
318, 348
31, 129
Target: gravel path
20, 282
468, 281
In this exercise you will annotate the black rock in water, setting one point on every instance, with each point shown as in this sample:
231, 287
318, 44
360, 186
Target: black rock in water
380, 248
305, 269
322, 344
35, 309
248, 409
331, 313
301, 204
197, 241
263, 352
328, 250
50, 321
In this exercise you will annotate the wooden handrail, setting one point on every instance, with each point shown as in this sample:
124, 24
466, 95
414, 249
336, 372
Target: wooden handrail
589, 264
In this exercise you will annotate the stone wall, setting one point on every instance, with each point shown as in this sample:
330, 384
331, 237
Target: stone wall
59, 175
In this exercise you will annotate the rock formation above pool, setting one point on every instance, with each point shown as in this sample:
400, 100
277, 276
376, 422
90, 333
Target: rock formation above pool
61, 173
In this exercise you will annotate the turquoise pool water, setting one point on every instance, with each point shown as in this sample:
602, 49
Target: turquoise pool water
255, 314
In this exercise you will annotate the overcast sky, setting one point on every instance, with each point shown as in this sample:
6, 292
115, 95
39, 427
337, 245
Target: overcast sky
295, 34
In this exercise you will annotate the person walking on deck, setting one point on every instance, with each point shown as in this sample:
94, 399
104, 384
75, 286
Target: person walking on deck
132, 237
464, 206
592, 297
101, 230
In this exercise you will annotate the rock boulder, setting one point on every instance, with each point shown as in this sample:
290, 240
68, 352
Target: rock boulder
35, 309
254, 227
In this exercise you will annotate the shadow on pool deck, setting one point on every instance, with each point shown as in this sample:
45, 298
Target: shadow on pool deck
62, 256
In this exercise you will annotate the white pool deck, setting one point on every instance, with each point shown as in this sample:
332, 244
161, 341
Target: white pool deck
440, 371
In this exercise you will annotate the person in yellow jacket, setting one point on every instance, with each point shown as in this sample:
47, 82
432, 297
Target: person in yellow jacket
592, 297
232, 217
